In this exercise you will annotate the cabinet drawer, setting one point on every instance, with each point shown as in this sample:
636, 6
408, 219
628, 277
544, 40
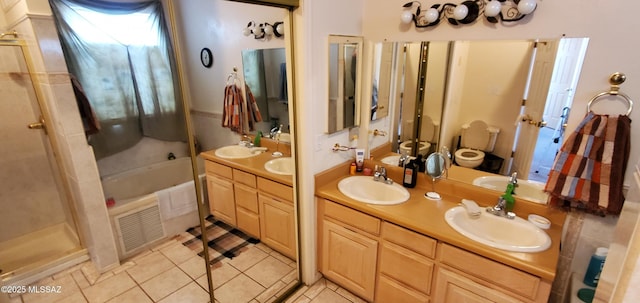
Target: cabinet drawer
406, 266
505, 277
277, 189
391, 291
352, 217
244, 178
246, 197
211, 167
409, 239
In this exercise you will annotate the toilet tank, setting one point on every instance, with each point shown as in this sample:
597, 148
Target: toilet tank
478, 135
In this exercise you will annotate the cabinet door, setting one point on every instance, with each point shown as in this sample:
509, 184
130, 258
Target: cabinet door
349, 259
453, 288
277, 228
221, 199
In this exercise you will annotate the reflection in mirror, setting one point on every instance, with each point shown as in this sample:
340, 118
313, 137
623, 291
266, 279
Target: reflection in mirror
435, 167
265, 75
247, 210
488, 81
383, 77
417, 117
344, 82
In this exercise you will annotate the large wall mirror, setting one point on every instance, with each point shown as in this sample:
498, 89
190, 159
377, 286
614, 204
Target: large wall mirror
522, 90
344, 82
248, 211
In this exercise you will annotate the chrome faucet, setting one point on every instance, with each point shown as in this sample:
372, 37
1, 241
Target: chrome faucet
501, 208
403, 159
381, 175
246, 141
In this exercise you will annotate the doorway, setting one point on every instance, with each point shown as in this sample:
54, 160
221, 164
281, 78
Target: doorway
566, 71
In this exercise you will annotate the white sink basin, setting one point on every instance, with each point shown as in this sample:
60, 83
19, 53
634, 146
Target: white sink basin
365, 189
238, 152
530, 190
281, 166
393, 160
515, 234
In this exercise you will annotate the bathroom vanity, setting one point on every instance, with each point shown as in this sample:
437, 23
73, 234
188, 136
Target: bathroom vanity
242, 193
408, 253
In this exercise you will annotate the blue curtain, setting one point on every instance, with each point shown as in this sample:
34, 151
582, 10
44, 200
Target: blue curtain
122, 56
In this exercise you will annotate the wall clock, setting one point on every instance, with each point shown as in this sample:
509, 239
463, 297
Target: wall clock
206, 57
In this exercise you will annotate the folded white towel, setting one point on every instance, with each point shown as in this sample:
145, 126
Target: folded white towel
472, 208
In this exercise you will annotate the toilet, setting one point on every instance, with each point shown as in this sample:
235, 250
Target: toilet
423, 148
476, 138
428, 132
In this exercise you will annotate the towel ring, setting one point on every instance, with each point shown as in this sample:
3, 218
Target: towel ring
615, 80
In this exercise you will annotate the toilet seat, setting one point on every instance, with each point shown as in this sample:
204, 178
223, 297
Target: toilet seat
469, 154
423, 149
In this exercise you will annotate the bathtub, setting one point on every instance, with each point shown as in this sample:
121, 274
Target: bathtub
168, 184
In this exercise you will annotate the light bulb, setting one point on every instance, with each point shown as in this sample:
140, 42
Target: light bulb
431, 15
268, 29
492, 8
246, 31
406, 17
280, 28
527, 6
460, 12
258, 31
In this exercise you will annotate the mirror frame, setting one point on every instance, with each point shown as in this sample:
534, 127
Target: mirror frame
342, 41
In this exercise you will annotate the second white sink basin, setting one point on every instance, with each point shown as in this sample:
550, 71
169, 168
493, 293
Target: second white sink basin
530, 190
365, 189
281, 166
238, 152
516, 234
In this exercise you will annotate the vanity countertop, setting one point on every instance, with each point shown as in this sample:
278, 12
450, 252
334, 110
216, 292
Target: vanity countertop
427, 217
253, 165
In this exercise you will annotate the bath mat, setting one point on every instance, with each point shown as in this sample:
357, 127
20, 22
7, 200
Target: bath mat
224, 240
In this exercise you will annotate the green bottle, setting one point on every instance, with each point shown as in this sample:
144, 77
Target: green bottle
508, 197
256, 140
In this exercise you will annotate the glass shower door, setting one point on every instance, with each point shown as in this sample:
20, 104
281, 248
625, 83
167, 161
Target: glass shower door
36, 222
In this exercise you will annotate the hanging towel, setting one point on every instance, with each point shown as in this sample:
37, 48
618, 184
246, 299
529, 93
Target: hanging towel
252, 109
87, 114
233, 110
283, 96
588, 171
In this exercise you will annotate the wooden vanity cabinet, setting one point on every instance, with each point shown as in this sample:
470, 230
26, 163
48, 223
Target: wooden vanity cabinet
383, 262
277, 217
220, 192
349, 248
466, 277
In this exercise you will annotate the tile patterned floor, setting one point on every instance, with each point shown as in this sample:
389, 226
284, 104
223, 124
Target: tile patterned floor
170, 272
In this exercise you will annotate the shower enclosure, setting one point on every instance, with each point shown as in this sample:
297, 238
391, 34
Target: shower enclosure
37, 226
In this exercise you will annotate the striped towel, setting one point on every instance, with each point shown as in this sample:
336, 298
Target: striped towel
233, 110
588, 171
252, 109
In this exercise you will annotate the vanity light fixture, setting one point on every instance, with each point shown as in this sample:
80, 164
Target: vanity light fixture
264, 30
468, 11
